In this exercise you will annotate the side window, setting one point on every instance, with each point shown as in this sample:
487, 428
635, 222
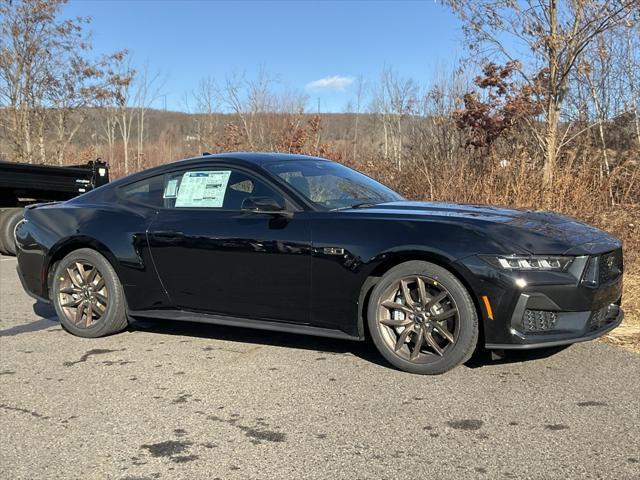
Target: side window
223, 189
147, 191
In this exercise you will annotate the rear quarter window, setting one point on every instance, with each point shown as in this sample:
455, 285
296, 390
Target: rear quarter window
148, 191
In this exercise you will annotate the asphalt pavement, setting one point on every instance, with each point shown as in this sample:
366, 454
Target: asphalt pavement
191, 401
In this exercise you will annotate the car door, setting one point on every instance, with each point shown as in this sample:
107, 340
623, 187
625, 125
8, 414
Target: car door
212, 256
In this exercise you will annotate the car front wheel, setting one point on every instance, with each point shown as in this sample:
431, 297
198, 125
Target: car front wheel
422, 318
87, 295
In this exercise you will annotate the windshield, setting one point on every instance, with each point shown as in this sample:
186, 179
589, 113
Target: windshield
331, 185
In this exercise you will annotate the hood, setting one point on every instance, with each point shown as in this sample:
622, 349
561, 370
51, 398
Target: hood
535, 231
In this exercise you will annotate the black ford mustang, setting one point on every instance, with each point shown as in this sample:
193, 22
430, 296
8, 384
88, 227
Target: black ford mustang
302, 244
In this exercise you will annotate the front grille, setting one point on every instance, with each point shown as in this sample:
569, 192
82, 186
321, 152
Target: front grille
609, 266
534, 321
602, 317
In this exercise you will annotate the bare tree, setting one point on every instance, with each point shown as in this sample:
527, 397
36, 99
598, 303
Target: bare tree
248, 99
120, 94
595, 72
109, 128
556, 33
436, 140
360, 92
148, 90
394, 99
46, 76
30, 31
631, 84
207, 104
77, 86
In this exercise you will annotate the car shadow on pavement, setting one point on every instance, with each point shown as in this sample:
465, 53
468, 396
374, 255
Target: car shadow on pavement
483, 358
48, 319
363, 350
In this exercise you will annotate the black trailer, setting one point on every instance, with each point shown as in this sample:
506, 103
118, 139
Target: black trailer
22, 184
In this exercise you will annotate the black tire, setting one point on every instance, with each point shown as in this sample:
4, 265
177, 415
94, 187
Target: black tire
8, 221
113, 316
427, 363
3, 212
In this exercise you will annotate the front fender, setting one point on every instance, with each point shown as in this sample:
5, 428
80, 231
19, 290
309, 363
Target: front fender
371, 246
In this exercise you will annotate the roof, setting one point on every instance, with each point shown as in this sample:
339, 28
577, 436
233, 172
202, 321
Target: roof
256, 158
259, 158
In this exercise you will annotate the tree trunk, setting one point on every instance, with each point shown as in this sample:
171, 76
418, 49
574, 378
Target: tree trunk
60, 139
355, 137
601, 116
636, 114
386, 138
551, 148
399, 141
125, 142
41, 143
28, 148
553, 106
141, 141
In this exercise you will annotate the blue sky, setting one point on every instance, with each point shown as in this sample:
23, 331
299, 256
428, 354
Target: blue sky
298, 42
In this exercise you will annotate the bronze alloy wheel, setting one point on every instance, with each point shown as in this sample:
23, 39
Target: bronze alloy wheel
418, 319
82, 294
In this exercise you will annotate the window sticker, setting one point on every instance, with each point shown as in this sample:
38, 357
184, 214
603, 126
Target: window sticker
171, 189
202, 189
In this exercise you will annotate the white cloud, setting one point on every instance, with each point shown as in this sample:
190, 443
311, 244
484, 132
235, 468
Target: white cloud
336, 82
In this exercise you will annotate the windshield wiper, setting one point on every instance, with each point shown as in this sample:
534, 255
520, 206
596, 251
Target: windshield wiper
357, 205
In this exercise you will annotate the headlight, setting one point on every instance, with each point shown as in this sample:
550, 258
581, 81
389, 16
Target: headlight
530, 262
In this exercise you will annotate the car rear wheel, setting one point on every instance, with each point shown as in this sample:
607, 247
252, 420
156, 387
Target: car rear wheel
422, 319
3, 212
87, 295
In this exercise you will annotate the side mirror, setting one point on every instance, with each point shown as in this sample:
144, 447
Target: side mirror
262, 204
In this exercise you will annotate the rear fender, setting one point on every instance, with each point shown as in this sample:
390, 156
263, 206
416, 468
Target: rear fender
68, 245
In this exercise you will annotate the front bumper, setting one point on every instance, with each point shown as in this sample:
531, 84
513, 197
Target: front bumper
573, 327
544, 309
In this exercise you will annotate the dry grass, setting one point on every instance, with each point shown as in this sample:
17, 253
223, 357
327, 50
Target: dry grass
625, 223
631, 298
627, 335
